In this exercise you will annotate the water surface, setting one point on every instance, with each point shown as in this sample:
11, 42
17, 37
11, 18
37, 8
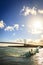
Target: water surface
12, 56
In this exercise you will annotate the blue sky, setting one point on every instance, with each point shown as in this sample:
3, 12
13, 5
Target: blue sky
17, 19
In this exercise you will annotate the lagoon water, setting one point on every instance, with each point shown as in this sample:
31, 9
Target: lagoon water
12, 56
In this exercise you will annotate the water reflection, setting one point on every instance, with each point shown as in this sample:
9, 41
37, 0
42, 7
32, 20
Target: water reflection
40, 57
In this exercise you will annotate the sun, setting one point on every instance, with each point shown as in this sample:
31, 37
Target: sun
37, 25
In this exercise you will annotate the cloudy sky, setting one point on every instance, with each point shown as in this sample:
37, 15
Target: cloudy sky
21, 19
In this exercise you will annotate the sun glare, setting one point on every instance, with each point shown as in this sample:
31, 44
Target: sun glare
37, 25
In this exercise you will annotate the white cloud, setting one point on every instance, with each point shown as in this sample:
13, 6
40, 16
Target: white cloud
35, 31
22, 9
2, 24
23, 25
26, 11
16, 26
20, 40
37, 40
33, 11
29, 41
40, 11
9, 28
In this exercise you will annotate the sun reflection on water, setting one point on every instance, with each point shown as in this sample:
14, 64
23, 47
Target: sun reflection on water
40, 57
